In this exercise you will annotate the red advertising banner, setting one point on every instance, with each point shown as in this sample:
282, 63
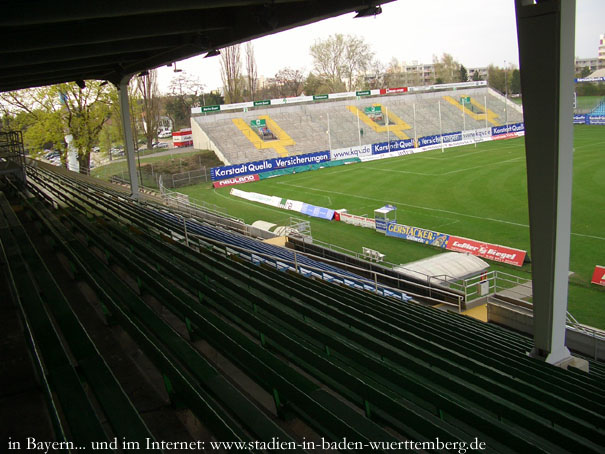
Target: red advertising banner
384, 91
486, 250
236, 180
598, 277
508, 135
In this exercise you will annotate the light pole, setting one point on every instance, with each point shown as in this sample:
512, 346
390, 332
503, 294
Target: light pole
505, 94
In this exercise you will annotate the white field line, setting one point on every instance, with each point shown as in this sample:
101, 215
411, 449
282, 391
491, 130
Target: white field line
439, 210
445, 173
588, 144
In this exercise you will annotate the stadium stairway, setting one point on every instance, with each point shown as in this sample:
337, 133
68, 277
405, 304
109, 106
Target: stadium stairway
491, 116
599, 109
279, 145
396, 126
344, 362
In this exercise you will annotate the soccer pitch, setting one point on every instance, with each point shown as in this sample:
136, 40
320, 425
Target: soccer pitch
476, 192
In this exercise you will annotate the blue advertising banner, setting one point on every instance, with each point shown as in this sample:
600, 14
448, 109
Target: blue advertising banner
590, 79
436, 139
595, 119
381, 225
514, 127
247, 168
452, 137
317, 212
396, 145
429, 140
579, 119
417, 234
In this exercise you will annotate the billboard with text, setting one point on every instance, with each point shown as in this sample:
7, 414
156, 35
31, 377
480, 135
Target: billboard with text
247, 168
488, 251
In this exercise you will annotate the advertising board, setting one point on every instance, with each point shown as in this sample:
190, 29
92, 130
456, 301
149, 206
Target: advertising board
395, 145
359, 221
247, 168
351, 152
507, 129
488, 251
595, 120
417, 234
317, 212
437, 139
598, 276
256, 197
236, 180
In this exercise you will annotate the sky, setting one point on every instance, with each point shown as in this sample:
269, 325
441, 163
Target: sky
475, 32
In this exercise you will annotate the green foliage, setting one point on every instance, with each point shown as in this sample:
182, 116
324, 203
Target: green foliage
463, 74
318, 85
447, 69
515, 82
49, 114
590, 89
339, 59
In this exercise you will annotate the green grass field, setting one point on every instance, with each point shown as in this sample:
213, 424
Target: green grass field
476, 192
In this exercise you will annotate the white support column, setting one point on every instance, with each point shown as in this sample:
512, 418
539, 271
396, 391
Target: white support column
129, 143
546, 54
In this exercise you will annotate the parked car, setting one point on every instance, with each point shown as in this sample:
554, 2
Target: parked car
50, 154
165, 134
160, 145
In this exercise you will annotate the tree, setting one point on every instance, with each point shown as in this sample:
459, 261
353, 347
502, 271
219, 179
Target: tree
316, 85
447, 70
374, 78
515, 82
251, 73
289, 82
495, 78
231, 74
476, 75
339, 59
147, 89
63, 111
585, 72
463, 74
184, 92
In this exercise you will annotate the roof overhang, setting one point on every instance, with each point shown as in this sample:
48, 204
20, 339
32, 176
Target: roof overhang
54, 42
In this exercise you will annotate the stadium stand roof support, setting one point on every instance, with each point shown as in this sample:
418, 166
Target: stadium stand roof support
128, 137
546, 55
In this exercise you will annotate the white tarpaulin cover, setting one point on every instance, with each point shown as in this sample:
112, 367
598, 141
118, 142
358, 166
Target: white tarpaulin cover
446, 267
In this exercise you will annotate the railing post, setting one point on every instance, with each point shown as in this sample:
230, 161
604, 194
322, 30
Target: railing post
185, 229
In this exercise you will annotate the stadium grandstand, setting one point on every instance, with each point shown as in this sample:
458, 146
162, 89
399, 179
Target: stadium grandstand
135, 323
329, 125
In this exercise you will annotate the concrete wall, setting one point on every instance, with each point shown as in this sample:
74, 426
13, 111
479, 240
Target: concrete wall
519, 320
201, 141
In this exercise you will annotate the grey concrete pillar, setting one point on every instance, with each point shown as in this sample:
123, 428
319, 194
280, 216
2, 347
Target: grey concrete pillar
129, 143
546, 54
